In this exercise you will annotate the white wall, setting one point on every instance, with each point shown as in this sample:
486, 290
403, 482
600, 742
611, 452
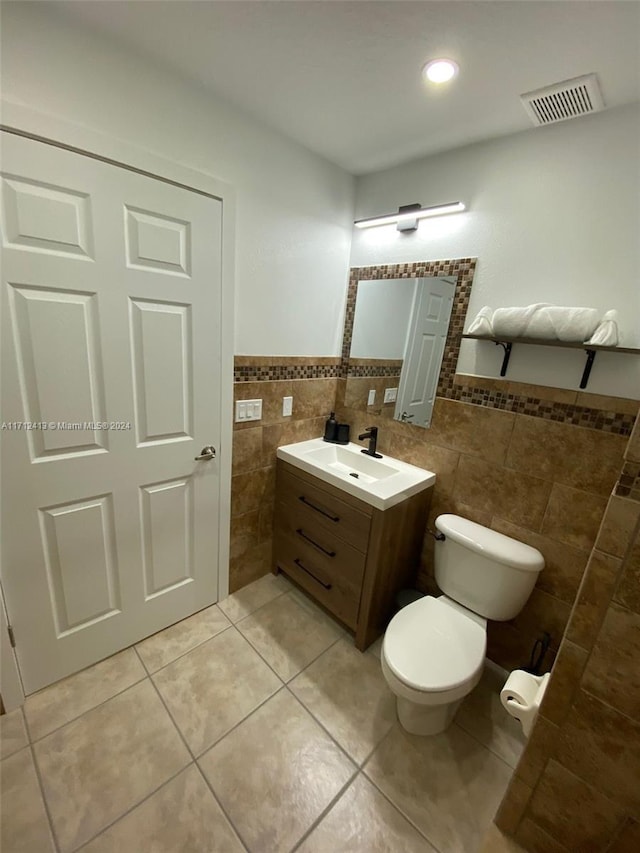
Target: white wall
553, 216
381, 320
294, 209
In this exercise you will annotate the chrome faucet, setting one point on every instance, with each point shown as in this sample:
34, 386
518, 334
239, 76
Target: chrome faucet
372, 435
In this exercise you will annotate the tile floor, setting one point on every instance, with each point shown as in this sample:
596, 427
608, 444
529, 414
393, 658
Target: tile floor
253, 725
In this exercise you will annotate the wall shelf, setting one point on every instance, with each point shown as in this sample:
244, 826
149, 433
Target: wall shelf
590, 349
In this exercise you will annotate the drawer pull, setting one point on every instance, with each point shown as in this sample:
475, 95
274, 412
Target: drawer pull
317, 509
304, 569
301, 532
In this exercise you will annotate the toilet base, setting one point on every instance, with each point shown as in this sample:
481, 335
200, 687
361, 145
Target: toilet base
425, 719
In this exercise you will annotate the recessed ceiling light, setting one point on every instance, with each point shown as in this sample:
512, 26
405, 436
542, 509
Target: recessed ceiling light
440, 70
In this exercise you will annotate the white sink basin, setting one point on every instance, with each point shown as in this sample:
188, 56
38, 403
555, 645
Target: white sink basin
379, 482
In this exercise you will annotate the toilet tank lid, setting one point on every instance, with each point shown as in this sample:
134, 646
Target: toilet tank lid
496, 546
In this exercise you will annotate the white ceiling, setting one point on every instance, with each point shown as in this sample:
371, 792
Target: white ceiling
343, 78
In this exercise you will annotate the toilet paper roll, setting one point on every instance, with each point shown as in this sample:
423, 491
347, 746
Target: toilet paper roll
520, 687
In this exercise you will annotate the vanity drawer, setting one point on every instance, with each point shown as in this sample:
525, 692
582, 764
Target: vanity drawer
334, 556
336, 585
327, 512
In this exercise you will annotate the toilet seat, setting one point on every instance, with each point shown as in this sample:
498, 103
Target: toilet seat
435, 646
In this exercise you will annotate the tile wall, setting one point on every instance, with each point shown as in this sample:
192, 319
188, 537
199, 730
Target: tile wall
542, 482
577, 785
372, 374
312, 383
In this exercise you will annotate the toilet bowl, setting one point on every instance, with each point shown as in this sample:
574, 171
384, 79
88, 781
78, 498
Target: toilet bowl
432, 657
434, 649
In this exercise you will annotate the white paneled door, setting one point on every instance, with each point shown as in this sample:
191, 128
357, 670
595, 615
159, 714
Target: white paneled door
111, 288
426, 340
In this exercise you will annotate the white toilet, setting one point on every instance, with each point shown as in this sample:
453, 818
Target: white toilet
434, 649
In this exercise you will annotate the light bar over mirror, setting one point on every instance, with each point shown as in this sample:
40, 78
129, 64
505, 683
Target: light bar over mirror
408, 215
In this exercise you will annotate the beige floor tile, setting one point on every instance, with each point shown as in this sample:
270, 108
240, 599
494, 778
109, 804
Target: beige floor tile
99, 766
213, 687
13, 734
363, 821
346, 692
24, 827
276, 773
495, 841
182, 817
253, 596
482, 716
375, 649
164, 647
289, 633
448, 785
63, 701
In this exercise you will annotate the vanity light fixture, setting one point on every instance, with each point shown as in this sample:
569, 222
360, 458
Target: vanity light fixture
408, 215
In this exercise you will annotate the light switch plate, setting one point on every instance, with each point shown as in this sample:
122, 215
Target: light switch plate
248, 410
372, 397
287, 406
390, 395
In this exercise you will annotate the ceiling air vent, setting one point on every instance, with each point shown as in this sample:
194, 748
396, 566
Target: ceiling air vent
568, 99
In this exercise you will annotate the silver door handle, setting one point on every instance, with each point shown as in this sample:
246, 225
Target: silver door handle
405, 417
208, 452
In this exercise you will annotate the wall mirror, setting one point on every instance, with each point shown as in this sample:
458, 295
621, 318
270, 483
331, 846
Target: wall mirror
396, 338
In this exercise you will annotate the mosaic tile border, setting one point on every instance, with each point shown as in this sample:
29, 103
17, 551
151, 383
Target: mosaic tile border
628, 486
374, 370
274, 368
618, 423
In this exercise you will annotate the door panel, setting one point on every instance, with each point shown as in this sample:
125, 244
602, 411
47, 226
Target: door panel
156, 242
79, 546
111, 315
419, 376
167, 526
46, 218
162, 347
60, 375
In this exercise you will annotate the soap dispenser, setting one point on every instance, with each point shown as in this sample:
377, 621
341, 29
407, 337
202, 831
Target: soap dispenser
331, 428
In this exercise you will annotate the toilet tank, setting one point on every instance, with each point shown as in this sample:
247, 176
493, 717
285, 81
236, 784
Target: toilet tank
485, 571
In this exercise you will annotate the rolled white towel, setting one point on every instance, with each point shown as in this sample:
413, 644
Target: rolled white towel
606, 335
513, 322
482, 323
573, 325
546, 322
540, 325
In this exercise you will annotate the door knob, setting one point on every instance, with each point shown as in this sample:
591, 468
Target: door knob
207, 452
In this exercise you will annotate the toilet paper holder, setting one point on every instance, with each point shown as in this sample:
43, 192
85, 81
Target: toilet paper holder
522, 696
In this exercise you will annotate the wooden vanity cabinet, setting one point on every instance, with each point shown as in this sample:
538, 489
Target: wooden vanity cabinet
348, 556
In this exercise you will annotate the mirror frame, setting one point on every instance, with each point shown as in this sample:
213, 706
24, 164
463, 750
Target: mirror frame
462, 268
